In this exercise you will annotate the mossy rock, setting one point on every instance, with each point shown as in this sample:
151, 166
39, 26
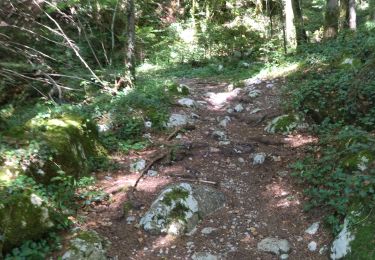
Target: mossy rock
284, 124
69, 144
87, 245
358, 242
23, 216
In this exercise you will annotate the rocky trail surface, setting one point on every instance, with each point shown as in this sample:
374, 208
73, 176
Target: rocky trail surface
226, 148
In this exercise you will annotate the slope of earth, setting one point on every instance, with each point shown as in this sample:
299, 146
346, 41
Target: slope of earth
262, 199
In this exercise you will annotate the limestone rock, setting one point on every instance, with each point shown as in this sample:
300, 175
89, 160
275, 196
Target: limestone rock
313, 228
219, 135
239, 108
225, 121
204, 256
274, 245
179, 208
312, 246
259, 158
176, 120
187, 102
341, 245
87, 245
138, 166
208, 230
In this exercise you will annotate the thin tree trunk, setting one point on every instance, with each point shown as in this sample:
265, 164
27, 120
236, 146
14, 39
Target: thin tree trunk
331, 19
298, 22
372, 10
290, 31
130, 33
352, 18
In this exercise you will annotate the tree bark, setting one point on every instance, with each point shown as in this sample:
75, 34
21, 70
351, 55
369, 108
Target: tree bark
372, 10
298, 22
130, 43
331, 22
352, 15
290, 31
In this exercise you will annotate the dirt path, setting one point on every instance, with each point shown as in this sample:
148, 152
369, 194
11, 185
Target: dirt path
262, 200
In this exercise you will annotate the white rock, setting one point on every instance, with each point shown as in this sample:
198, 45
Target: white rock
177, 120
313, 228
269, 85
148, 124
220, 135
204, 256
225, 121
208, 230
230, 87
241, 160
312, 246
259, 158
341, 245
284, 257
138, 166
323, 249
130, 219
194, 116
230, 110
220, 68
152, 173
239, 108
187, 102
274, 245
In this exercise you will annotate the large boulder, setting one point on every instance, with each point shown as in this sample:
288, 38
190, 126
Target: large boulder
51, 145
179, 208
24, 215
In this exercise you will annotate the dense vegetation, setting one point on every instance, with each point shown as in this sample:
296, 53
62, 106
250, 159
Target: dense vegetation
70, 94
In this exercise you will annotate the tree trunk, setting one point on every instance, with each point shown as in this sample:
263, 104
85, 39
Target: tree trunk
298, 22
331, 19
372, 10
352, 15
130, 43
348, 17
290, 31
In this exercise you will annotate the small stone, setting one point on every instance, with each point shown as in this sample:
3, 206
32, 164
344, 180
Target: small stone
208, 230
152, 173
239, 108
230, 110
269, 85
225, 121
241, 160
259, 158
187, 102
313, 228
194, 116
148, 124
274, 245
230, 87
130, 219
220, 135
138, 166
254, 111
284, 257
283, 173
312, 246
204, 256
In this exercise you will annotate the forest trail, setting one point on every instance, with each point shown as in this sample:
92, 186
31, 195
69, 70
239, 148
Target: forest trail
263, 200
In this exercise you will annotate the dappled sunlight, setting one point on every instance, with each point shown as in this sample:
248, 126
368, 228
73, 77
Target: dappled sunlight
281, 197
300, 140
218, 100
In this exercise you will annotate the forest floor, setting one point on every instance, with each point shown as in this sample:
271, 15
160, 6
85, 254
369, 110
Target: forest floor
262, 200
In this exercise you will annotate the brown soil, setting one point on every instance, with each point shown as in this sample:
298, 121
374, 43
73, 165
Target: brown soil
262, 200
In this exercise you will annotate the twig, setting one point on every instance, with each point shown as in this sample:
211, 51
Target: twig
200, 181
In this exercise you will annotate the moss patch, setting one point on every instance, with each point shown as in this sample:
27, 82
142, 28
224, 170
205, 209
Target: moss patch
283, 124
175, 194
23, 216
363, 246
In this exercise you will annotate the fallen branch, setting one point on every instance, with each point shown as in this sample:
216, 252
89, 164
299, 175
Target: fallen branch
148, 166
200, 181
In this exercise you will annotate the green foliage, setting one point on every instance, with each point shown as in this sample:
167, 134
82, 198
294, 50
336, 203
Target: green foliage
35, 250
